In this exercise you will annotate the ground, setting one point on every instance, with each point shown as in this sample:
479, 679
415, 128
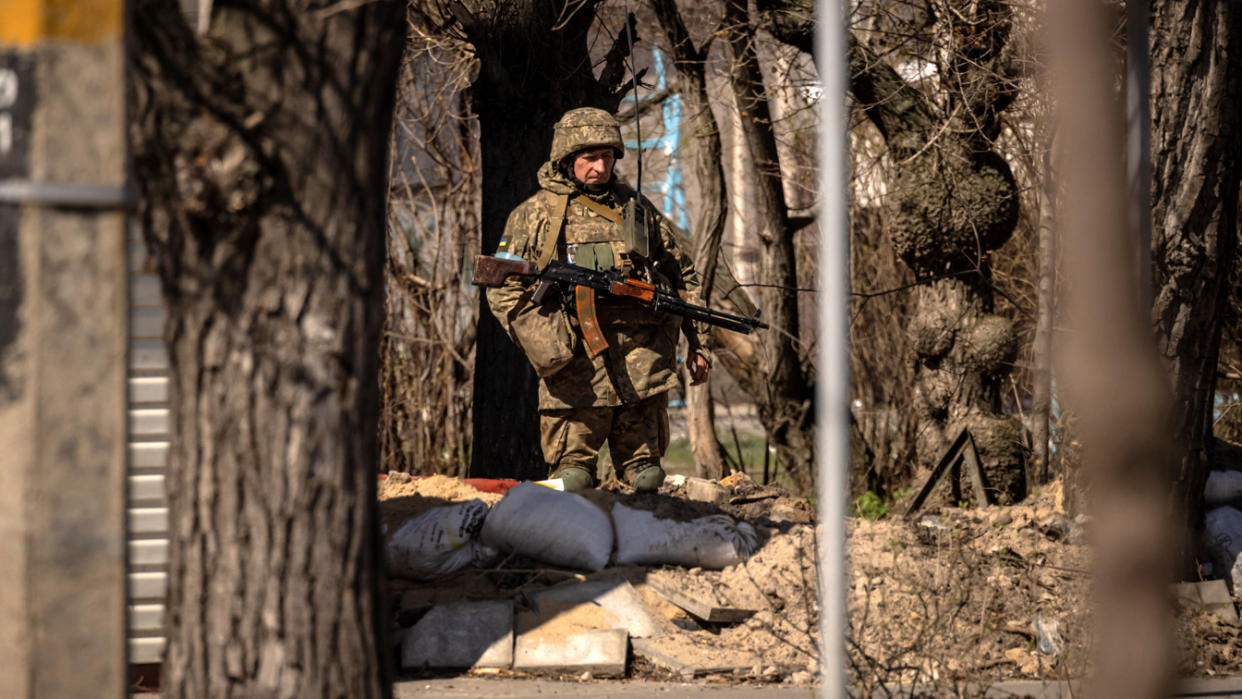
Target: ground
945, 597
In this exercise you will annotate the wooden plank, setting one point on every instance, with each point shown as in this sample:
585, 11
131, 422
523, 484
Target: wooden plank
961, 451
147, 489
148, 520
149, 455
146, 617
148, 389
148, 422
148, 552
146, 649
701, 609
148, 585
148, 355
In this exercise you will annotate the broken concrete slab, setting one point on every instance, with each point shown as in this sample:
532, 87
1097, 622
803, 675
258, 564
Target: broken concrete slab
706, 610
687, 661
461, 634
613, 594
601, 652
1211, 596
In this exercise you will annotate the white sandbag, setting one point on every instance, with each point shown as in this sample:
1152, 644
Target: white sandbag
1222, 487
558, 528
715, 541
1222, 539
436, 542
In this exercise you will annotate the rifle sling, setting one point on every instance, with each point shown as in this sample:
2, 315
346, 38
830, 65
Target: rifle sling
588, 321
548, 251
599, 208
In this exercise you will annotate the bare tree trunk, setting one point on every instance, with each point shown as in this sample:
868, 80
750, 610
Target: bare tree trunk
704, 152
1196, 141
427, 359
1041, 391
784, 388
261, 150
1113, 375
953, 200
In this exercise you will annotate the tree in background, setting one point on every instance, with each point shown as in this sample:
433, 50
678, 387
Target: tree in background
260, 149
951, 200
775, 369
1196, 51
427, 357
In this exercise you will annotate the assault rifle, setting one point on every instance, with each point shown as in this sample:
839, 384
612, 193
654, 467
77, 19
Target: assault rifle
493, 271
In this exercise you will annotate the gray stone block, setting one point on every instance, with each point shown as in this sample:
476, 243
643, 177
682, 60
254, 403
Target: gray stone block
599, 652
461, 634
1210, 596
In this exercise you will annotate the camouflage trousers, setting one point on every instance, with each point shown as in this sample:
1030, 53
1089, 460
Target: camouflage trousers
636, 434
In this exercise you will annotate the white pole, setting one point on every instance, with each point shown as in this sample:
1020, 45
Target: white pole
832, 446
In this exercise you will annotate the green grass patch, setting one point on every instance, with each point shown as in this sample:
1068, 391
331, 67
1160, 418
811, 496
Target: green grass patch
751, 446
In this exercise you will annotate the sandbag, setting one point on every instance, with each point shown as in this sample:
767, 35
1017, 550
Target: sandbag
1222, 487
1222, 540
437, 542
714, 542
551, 526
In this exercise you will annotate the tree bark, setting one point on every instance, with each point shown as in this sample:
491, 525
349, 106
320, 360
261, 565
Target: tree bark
260, 148
791, 21
784, 386
1196, 140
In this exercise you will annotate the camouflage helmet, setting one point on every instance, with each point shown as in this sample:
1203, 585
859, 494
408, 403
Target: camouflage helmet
583, 128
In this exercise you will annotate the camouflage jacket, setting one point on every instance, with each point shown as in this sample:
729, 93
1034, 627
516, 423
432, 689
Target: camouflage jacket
640, 360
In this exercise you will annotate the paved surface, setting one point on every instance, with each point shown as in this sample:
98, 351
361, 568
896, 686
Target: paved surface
473, 687
508, 688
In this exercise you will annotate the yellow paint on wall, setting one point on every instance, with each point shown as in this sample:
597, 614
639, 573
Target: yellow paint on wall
24, 22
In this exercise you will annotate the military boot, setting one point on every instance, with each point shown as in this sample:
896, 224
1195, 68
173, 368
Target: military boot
575, 478
646, 477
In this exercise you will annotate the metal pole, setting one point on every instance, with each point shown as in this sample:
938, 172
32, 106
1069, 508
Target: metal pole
832, 388
63, 324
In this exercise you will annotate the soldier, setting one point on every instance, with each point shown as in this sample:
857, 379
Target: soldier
620, 394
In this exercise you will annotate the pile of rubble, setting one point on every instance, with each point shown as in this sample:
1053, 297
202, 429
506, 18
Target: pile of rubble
515, 606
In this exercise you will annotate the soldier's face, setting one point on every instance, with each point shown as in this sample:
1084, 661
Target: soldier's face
594, 167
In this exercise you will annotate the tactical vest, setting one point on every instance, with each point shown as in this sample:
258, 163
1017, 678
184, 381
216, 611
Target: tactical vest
595, 236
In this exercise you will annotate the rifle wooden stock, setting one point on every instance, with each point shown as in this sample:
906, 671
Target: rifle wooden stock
634, 289
493, 271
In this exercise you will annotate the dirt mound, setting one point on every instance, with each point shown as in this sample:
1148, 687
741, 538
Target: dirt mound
968, 594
